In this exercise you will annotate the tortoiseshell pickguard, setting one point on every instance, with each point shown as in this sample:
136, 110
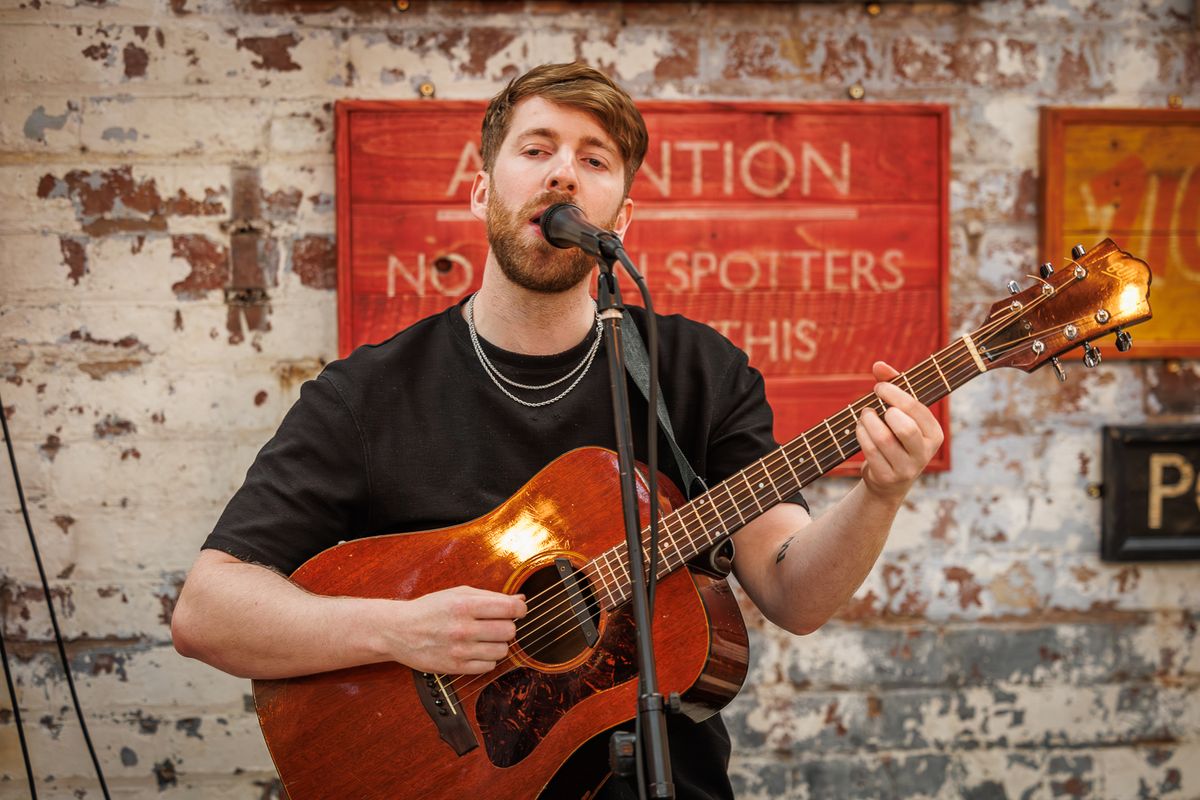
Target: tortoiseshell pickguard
517, 710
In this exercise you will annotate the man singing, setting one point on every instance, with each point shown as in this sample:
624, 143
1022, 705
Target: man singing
448, 418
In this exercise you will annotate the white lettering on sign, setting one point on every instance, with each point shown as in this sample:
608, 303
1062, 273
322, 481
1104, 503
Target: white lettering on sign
469, 163
694, 170
1161, 490
800, 270
435, 276
771, 339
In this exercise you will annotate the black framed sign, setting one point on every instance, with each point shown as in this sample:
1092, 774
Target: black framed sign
1151, 493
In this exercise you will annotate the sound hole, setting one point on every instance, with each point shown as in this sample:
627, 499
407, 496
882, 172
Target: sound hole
550, 632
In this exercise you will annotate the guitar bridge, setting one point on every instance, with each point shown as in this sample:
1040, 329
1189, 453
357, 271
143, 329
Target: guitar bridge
441, 703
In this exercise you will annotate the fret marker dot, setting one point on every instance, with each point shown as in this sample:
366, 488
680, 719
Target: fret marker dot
761, 484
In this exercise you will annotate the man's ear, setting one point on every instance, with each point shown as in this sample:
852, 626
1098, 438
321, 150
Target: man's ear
479, 195
624, 217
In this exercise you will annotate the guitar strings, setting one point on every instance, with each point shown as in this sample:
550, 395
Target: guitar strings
924, 376
919, 375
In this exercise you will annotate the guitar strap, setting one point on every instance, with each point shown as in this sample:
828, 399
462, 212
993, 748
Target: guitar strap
637, 363
719, 559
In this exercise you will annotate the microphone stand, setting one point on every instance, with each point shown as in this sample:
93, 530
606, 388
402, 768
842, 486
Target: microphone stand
651, 711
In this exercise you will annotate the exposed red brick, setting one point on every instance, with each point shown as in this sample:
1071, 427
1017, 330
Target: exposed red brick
482, 44
64, 523
968, 589
272, 51
209, 261
835, 719
860, 608
314, 260
1127, 578
50, 447
112, 426
846, 59
282, 203
916, 63
46, 186
1074, 73
260, 397
751, 55
943, 520
109, 201
683, 63
82, 335
136, 59
98, 52
99, 370
132, 452
183, 205
1174, 385
74, 256
1025, 206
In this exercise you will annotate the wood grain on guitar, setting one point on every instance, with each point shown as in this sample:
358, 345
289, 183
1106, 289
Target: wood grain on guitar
379, 731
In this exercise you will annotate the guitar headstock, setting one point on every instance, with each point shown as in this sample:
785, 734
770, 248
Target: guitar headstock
1094, 293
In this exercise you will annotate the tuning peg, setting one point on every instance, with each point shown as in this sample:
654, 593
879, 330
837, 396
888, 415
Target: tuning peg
1124, 341
1013, 287
1046, 270
1077, 251
1058, 369
1091, 355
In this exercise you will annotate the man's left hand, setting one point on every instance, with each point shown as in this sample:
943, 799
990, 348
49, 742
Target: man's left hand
899, 444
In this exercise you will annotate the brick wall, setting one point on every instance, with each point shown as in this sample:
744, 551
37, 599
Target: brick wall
989, 655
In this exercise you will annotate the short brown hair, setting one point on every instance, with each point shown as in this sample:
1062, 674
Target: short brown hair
577, 86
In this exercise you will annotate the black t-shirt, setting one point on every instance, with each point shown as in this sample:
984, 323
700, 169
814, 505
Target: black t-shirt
412, 434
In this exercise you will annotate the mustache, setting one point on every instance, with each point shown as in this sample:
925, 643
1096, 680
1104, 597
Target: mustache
544, 200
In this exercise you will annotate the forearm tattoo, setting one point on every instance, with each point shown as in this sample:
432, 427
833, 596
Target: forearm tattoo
783, 548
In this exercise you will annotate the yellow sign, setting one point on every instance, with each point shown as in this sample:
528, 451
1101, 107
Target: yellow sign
1134, 176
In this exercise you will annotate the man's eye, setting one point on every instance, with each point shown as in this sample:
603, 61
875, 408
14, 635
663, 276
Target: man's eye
597, 163
534, 151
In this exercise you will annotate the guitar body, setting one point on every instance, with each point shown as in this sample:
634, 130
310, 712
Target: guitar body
376, 731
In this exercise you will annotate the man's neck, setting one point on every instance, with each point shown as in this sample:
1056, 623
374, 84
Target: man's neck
532, 323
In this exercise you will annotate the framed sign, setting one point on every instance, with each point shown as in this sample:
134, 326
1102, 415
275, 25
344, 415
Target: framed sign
1133, 175
812, 236
1151, 493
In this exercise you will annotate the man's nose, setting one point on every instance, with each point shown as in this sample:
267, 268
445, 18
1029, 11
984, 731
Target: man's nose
562, 176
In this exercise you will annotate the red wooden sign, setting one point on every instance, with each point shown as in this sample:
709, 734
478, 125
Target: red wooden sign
813, 236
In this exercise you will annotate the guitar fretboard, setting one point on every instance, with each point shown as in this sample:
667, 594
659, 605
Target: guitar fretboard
698, 525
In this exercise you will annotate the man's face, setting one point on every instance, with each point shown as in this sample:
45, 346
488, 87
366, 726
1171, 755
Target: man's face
552, 154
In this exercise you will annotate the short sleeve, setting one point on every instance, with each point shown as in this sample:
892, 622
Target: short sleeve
742, 428
307, 489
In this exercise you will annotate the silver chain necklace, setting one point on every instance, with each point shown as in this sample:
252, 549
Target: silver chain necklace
582, 367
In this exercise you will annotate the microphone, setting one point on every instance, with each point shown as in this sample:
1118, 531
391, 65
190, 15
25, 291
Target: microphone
564, 225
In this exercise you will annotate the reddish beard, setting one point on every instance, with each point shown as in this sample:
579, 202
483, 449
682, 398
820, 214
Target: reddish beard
530, 261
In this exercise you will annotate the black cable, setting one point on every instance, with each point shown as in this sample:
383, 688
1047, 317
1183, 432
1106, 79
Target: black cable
16, 707
62, 651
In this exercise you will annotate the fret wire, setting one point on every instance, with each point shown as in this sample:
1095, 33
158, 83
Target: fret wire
603, 581
835, 441
767, 472
816, 461
753, 496
907, 383
733, 500
933, 360
849, 431
791, 469
613, 595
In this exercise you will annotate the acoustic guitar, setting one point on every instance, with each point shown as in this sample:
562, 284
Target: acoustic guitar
387, 731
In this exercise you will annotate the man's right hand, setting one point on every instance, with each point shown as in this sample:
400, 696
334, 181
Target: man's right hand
459, 631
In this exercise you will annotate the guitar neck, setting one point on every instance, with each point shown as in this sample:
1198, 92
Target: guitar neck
698, 525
